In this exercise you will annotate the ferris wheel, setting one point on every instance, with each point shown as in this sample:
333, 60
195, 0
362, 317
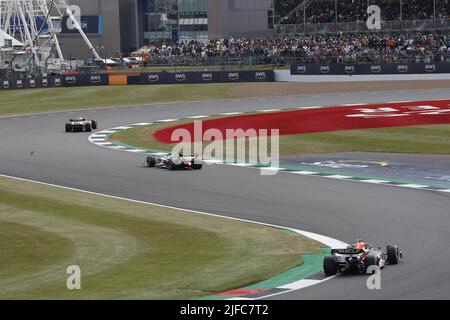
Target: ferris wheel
35, 26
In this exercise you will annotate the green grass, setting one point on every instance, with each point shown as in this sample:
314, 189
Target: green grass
427, 139
127, 250
61, 99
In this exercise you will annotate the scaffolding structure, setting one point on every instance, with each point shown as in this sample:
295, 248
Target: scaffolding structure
34, 25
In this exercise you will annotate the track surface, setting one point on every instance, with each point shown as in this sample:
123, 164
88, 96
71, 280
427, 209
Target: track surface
35, 147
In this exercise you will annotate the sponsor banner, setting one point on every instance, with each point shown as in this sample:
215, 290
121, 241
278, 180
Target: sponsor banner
144, 78
30, 83
367, 69
84, 80
207, 77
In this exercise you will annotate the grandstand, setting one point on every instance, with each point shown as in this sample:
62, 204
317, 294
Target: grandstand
331, 16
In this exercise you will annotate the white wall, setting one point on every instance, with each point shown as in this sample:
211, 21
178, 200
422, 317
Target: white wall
285, 76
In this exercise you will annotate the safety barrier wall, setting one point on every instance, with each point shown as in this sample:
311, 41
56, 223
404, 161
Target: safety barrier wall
138, 79
368, 69
54, 82
204, 77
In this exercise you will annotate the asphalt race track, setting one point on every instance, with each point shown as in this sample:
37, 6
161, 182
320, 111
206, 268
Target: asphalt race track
37, 148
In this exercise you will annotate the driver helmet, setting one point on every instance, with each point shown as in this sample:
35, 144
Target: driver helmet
360, 244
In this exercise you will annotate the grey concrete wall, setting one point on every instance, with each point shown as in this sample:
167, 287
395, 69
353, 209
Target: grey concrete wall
74, 46
238, 18
285, 76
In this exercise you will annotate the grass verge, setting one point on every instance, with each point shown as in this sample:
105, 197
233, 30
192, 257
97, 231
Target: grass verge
128, 250
62, 99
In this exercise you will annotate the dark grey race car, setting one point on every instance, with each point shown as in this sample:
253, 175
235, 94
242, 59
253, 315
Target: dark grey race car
81, 125
173, 162
358, 259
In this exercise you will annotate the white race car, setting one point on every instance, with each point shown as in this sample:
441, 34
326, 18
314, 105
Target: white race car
81, 125
173, 162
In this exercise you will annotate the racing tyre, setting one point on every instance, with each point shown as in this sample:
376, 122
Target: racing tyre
88, 127
393, 254
197, 166
151, 162
371, 260
172, 166
68, 127
329, 266
94, 124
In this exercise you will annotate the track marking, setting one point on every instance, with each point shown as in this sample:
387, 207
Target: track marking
238, 164
337, 176
137, 150
120, 128
405, 101
107, 131
167, 120
99, 135
271, 168
307, 108
375, 181
197, 117
213, 161
413, 186
269, 110
306, 173
230, 113
354, 104
105, 144
143, 124
300, 284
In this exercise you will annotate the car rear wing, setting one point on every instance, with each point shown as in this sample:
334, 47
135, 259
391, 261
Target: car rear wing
347, 251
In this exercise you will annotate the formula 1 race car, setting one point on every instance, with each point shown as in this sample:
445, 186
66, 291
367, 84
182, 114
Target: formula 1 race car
173, 162
359, 257
81, 125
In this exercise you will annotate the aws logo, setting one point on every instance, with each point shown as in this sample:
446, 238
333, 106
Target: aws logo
301, 69
6, 84
350, 69
19, 84
44, 82
403, 68
32, 83
69, 79
430, 68
324, 69
375, 69
207, 76
260, 75
233, 76
57, 82
180, 77
153, 77
95, 79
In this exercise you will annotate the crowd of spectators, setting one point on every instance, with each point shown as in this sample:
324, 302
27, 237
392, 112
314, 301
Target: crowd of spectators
324, 11
339, 48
